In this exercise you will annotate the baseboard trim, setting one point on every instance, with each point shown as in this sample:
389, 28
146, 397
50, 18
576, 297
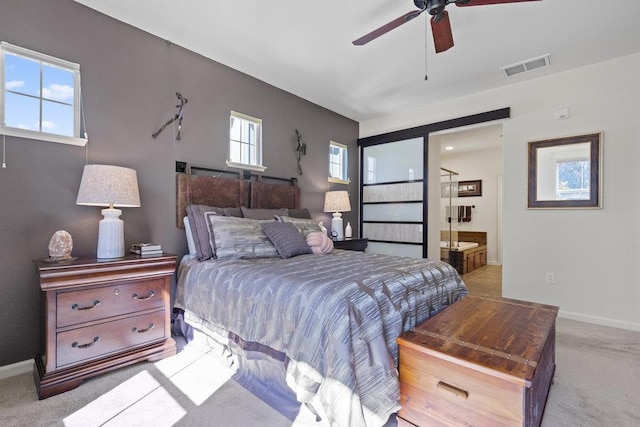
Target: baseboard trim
603, 321
14, 369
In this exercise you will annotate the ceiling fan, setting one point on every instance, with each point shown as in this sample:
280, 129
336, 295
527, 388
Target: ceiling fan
440, 25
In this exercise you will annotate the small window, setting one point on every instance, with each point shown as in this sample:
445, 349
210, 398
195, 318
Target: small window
573, 180
245, 142
338, 163
40, 96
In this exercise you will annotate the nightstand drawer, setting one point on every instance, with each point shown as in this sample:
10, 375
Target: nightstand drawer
87, 305
110, 337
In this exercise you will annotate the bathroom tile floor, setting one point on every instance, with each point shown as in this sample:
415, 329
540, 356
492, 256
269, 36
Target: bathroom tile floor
485, 280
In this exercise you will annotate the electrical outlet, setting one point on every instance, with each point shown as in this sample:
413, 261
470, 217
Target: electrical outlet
551, 278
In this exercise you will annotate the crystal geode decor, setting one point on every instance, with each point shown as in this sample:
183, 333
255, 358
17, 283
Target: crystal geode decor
60, 247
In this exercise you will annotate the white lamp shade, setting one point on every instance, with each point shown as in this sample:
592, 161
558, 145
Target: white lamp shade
337, 201
104, 185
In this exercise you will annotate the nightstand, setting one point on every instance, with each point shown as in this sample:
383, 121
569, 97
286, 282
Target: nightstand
351, 244
100, 315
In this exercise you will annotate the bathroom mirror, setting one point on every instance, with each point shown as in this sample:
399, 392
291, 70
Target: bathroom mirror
566, 172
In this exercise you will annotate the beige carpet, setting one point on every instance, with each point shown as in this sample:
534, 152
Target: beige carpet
597, 383
597, 379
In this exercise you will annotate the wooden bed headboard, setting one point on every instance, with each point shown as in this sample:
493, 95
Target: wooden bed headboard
228, 191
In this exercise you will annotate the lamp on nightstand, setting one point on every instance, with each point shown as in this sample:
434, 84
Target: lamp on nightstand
336, 202
111, 186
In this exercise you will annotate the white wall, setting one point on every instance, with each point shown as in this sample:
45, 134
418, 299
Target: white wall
595, 254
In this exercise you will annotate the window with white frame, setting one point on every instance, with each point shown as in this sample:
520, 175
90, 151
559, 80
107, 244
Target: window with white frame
245, 142
40, 96
338, 163
573, 180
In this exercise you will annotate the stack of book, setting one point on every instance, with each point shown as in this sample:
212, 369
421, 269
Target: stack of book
146, 249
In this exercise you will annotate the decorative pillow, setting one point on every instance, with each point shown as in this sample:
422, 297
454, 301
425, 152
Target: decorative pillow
319, 242
200, 228
300, 213
305, 226
239, 238
286, 238
187, 230
263, 213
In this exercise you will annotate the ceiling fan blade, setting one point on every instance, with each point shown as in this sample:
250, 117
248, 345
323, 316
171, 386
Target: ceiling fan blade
486, 2
441, 29
387, 27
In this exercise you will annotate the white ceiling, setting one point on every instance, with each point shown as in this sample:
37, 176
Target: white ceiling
486, 136
305, 47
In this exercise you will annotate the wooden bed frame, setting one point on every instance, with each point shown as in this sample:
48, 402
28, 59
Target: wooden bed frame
262, 373
225, 189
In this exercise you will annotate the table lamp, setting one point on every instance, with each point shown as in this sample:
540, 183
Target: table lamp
336, 202
111, 186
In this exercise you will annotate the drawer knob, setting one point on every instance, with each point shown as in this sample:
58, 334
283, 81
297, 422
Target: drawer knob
142, 331
89, 307
135, 296
452, 389
76, 345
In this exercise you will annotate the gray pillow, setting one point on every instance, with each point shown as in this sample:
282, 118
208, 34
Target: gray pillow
305, 226
239, 238
263, 213
200, 227
289, 242
300, 213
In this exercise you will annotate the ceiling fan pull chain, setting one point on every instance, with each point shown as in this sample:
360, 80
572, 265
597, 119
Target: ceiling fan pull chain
426, 42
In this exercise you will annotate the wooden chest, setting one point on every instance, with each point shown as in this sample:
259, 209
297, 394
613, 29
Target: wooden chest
484, 361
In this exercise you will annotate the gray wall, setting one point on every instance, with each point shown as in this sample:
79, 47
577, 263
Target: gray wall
129, 80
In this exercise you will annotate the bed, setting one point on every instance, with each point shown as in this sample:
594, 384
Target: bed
320, 328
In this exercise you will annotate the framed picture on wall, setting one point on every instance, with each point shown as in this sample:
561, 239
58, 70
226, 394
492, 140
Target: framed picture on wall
470, 188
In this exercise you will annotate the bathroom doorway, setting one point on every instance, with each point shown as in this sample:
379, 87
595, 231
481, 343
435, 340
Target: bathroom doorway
475, 153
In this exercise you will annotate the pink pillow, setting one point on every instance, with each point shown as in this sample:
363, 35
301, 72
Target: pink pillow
319, 242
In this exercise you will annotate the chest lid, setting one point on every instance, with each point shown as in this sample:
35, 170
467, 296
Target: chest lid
505, 335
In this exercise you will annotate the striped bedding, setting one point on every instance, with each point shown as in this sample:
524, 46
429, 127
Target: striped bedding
333, 319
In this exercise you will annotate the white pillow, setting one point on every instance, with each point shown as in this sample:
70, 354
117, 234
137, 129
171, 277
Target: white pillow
190, 243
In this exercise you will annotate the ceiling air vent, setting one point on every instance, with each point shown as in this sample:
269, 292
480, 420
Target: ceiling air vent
528, 65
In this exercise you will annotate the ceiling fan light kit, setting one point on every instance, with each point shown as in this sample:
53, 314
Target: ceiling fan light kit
440, 24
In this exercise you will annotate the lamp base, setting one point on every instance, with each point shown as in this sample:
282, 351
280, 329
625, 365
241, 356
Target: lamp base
337, 226
111, 234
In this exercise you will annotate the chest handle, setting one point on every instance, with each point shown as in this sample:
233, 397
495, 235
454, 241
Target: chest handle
453, 390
